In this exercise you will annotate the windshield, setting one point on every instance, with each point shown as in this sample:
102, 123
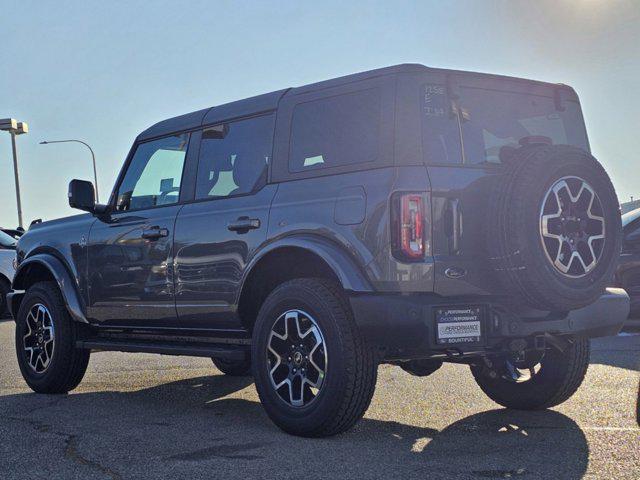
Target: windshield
491, 123
631, 216
7, 241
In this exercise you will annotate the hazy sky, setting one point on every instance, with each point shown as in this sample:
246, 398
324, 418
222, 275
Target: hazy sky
104, 71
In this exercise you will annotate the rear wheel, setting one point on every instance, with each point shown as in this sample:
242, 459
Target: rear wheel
543, 382
234, 368
45, 342
314, 372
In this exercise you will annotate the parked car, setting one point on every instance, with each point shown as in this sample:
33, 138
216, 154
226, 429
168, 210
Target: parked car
407, 215
16, 233
628, 272
7, 256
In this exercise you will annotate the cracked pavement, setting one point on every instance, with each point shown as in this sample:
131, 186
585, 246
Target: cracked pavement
146, 416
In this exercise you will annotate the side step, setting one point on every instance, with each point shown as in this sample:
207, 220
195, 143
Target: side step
227, 352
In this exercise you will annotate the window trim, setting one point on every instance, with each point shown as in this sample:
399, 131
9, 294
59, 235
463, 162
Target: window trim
113, 200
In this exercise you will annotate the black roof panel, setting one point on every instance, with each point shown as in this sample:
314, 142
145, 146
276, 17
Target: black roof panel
269, 101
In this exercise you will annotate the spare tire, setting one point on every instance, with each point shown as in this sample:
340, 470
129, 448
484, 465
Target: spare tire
554, 227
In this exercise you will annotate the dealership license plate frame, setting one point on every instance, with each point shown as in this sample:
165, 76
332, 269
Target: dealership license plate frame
469, 319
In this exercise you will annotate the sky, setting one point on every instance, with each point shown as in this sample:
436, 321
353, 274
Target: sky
104, 71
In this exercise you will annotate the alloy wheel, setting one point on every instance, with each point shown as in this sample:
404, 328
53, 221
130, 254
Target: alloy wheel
296, 358
572, 227
38, 342
516, 374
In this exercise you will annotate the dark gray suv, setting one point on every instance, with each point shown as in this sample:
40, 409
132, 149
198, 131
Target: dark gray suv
406, 215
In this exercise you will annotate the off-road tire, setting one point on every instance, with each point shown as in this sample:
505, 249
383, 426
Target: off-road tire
68, 363
514, 242
560, 375
351, 369
240, 368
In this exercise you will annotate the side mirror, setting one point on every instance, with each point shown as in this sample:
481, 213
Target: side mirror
83, 197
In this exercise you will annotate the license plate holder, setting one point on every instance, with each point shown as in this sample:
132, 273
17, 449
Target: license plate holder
459, 325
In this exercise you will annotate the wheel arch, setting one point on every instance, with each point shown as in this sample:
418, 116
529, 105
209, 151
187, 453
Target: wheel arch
296, 257
46, 267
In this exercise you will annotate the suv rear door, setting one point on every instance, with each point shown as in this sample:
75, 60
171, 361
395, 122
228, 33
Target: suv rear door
219, 231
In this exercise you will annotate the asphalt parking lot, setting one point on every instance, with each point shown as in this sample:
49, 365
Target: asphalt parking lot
145, 416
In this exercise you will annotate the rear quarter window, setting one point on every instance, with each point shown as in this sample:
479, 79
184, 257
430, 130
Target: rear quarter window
336, 131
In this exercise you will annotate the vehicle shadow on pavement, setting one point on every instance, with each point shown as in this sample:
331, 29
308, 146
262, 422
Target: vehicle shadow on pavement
188, 428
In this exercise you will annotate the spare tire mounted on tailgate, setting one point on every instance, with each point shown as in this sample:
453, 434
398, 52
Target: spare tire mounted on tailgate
554, 227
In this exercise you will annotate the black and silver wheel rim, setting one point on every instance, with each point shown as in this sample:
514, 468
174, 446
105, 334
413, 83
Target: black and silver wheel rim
296, 358
572, 227
39, 341
517, 374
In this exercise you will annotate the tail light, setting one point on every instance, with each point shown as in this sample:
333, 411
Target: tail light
410, 223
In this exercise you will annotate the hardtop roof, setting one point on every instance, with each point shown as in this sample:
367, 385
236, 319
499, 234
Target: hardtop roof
269, 101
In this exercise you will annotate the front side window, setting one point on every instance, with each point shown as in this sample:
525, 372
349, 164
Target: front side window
234, 157
336, 131
154, 174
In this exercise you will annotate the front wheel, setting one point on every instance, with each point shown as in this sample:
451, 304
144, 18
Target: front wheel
536, 384
314, 372
45, 342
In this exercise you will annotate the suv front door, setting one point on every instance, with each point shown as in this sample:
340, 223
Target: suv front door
130, 250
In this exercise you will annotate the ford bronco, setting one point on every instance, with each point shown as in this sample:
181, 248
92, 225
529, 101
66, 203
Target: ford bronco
406, 215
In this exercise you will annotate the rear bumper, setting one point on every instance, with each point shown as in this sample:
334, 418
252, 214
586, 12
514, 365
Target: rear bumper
404, 325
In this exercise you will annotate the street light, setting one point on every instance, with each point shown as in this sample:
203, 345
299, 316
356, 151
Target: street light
15, 127
93, 158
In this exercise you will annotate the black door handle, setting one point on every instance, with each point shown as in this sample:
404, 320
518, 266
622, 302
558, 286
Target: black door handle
244, 224
154, 233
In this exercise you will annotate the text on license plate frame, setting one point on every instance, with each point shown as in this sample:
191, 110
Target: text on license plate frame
459, 325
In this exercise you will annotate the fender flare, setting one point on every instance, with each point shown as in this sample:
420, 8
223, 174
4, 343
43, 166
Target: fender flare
63, 278
339, 261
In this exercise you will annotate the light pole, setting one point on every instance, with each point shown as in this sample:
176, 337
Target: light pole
93, 158
14, 127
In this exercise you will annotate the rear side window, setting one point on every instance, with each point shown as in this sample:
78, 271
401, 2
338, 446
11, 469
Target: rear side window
336, 131
234, 157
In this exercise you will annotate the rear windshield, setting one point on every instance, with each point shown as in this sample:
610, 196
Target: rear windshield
484, 125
